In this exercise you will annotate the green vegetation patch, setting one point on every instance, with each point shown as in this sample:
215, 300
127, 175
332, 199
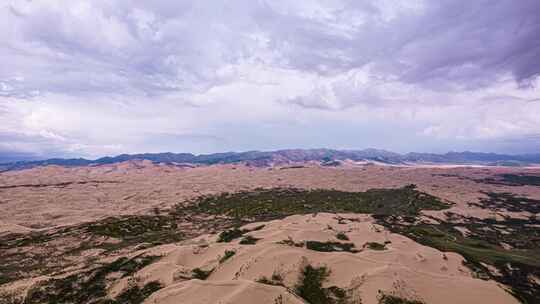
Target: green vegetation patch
330, 246
520, 234
248, 240
10, 297
509, 179
500, 201
391, 299
48, 252
136, 295
515, 266
138, 229
276, 279
15, 265
89, 286
375, 246
231, 234
521, 179
201, 274
310, 287
290, 242
342, 236
227, 255
25, 239
267, 204
235, 233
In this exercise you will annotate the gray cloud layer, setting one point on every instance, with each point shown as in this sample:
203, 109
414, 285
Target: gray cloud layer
100, 77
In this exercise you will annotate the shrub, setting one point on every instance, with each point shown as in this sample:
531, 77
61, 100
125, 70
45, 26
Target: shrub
201, 274
229, 235
249, 240
88, 286
390, 299
330, 246
290, 242
276, 279
342, 236
136, 295
309, 285
375, 246
227, 255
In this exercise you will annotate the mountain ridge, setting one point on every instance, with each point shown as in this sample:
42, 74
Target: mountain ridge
287, 156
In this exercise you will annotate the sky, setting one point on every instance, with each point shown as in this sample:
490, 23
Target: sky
100, 77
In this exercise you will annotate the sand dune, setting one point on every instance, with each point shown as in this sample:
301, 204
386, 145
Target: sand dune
404, 268
73, 195
238, 291
44, 197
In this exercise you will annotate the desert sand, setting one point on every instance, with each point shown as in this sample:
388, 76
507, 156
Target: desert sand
45, 197
405, 268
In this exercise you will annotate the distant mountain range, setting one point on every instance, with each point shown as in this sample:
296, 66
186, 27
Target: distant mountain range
283, 157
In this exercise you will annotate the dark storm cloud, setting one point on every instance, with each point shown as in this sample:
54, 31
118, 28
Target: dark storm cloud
156, 48
461, 42
464, 41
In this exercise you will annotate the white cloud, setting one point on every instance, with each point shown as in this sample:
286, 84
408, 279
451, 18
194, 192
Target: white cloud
101, 77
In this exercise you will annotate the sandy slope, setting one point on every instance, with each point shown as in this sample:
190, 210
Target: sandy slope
6, 227
237, 291
405, 268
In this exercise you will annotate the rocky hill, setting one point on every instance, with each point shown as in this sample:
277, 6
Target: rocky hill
291, 156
